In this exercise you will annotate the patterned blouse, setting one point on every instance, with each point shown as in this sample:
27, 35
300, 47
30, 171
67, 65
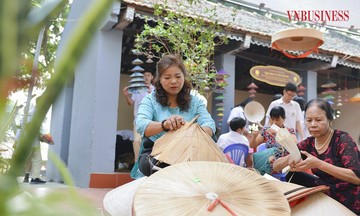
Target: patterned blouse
342, 152
270, 142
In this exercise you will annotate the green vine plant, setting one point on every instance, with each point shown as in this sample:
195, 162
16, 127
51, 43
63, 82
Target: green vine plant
192, 38
19, 25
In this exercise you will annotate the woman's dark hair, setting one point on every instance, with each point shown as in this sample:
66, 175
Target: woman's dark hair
301, 101
322, 104
183, 98
244, 102
237, 123
277, 112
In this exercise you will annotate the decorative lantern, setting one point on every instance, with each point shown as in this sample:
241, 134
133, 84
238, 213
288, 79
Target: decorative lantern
220, 78
301, 39
252, 89
137, 82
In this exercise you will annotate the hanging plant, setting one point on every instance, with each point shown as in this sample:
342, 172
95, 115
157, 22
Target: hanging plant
192, 38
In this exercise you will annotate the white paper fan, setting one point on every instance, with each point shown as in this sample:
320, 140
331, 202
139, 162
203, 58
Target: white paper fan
284, 138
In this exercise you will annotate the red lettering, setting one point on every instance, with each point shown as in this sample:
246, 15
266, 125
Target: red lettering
303, 15
317, 15
296, 16
289, 15
327, 15
346, 15
334, 16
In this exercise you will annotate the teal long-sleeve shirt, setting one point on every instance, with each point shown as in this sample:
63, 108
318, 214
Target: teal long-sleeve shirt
150, 110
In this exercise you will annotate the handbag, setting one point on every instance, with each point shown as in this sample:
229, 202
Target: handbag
147, 163
263, 160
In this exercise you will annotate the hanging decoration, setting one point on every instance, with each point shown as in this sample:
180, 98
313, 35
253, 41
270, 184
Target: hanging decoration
339, 99
306, 40
150, 55
219, 91
252, 89
328, 83
329, 92
356, 97
346, 96
137, 81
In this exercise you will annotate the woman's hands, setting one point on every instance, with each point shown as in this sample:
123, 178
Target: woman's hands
174, 122
309, 163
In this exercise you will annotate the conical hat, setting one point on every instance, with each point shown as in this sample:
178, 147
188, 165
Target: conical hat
316, 202
208, 188
189, 143
254, 111
119, 200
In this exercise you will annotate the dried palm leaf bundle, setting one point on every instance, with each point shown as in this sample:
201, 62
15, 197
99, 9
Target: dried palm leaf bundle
208, 188
284, 138
311, 201
189, 143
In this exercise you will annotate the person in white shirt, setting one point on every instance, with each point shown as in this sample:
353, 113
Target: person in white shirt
292, 109
236, 135
238, 111
301, 101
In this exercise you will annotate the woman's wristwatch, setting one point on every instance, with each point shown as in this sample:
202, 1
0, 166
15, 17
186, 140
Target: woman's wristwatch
163, 125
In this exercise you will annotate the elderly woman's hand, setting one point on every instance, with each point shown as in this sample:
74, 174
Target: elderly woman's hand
174, 122
309, 163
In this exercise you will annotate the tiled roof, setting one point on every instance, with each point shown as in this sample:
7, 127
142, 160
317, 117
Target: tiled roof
262, 27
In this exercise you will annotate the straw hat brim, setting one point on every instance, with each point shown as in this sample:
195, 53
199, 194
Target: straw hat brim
187, 188
315, 202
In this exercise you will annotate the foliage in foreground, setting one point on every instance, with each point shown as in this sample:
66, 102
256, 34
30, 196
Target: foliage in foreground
20, 24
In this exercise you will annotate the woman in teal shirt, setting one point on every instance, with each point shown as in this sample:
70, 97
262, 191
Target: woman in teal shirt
167, 108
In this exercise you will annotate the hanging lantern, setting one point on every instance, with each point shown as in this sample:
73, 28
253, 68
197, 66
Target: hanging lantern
137, 61
346, 96
137, 81
252, 90
328, 91
356, 97
252, 86
219, 90
300, 39
339, 100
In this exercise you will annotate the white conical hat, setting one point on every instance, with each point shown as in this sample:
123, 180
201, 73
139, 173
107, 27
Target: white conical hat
119, 200
254, 111
191, 188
